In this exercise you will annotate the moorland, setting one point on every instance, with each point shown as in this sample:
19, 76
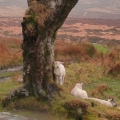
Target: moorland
90, 50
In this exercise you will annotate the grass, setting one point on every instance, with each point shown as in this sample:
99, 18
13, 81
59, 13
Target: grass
8, 74
93, 78
86, 68
8, 86
95, 82
105, 88
74, 51
101, 48
10, 52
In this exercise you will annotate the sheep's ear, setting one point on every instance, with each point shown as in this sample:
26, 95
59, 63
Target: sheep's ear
62, 62
112, 99
82, 83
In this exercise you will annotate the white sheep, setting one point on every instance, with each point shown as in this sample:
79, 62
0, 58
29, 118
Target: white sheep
59, 71
109, 102
118, 108
78, 92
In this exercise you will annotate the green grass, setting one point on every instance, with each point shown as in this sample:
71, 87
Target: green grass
94, 80
101, 48
9, 74
6, 87
4, 75
91, 75
113, 89
9, 84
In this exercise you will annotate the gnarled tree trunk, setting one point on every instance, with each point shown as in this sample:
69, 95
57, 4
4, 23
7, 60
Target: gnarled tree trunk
39, 28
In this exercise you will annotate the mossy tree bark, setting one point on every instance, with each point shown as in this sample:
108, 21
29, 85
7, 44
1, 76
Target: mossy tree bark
39, 29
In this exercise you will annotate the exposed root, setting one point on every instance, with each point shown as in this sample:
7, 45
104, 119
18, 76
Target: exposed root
20, 93
52, 89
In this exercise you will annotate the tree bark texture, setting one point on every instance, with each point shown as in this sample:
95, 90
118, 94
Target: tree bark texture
38, 43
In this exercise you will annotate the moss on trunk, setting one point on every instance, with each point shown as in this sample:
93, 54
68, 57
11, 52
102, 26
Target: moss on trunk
39, 28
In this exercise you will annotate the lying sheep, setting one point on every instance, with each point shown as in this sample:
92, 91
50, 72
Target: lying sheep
110, 102
78, 92
59, 71
118, 108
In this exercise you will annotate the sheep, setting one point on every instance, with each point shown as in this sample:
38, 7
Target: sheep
118, 108
109, 102
59, 71
78, 92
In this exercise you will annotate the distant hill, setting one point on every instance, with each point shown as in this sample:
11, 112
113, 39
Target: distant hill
106, 9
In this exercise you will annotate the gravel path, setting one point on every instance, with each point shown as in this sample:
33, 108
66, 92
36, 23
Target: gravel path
16, 68
13, 69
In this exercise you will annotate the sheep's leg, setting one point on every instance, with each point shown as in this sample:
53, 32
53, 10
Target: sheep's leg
61, 80
57, 79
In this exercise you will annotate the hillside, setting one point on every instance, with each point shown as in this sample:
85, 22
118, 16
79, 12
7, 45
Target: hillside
84, 9
83, 64
97, 9
75, 29
92, 30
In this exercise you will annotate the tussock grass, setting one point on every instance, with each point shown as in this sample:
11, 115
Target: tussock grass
10, 52
65, 107
85, 66
74, 51
115, 70
96, 84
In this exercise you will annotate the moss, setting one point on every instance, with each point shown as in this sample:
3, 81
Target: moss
47, 52
30, 103
40, 12
55, 34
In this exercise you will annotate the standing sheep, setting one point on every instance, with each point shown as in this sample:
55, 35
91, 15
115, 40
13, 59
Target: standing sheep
59, 71
78, 92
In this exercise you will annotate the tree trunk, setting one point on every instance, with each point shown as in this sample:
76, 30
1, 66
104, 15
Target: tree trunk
39, 34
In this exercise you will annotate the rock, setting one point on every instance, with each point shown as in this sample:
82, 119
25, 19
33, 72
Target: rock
9, 116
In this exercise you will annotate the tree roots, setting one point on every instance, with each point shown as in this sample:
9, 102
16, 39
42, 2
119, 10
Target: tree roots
18, 93
21, 92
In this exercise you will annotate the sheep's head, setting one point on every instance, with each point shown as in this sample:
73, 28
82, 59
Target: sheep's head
79, 85
57, 64
112, 101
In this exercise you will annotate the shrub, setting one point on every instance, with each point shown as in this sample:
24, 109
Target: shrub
74, 104
101, 88
115, 70
10, 52
76, 107
73, 51
90, 49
